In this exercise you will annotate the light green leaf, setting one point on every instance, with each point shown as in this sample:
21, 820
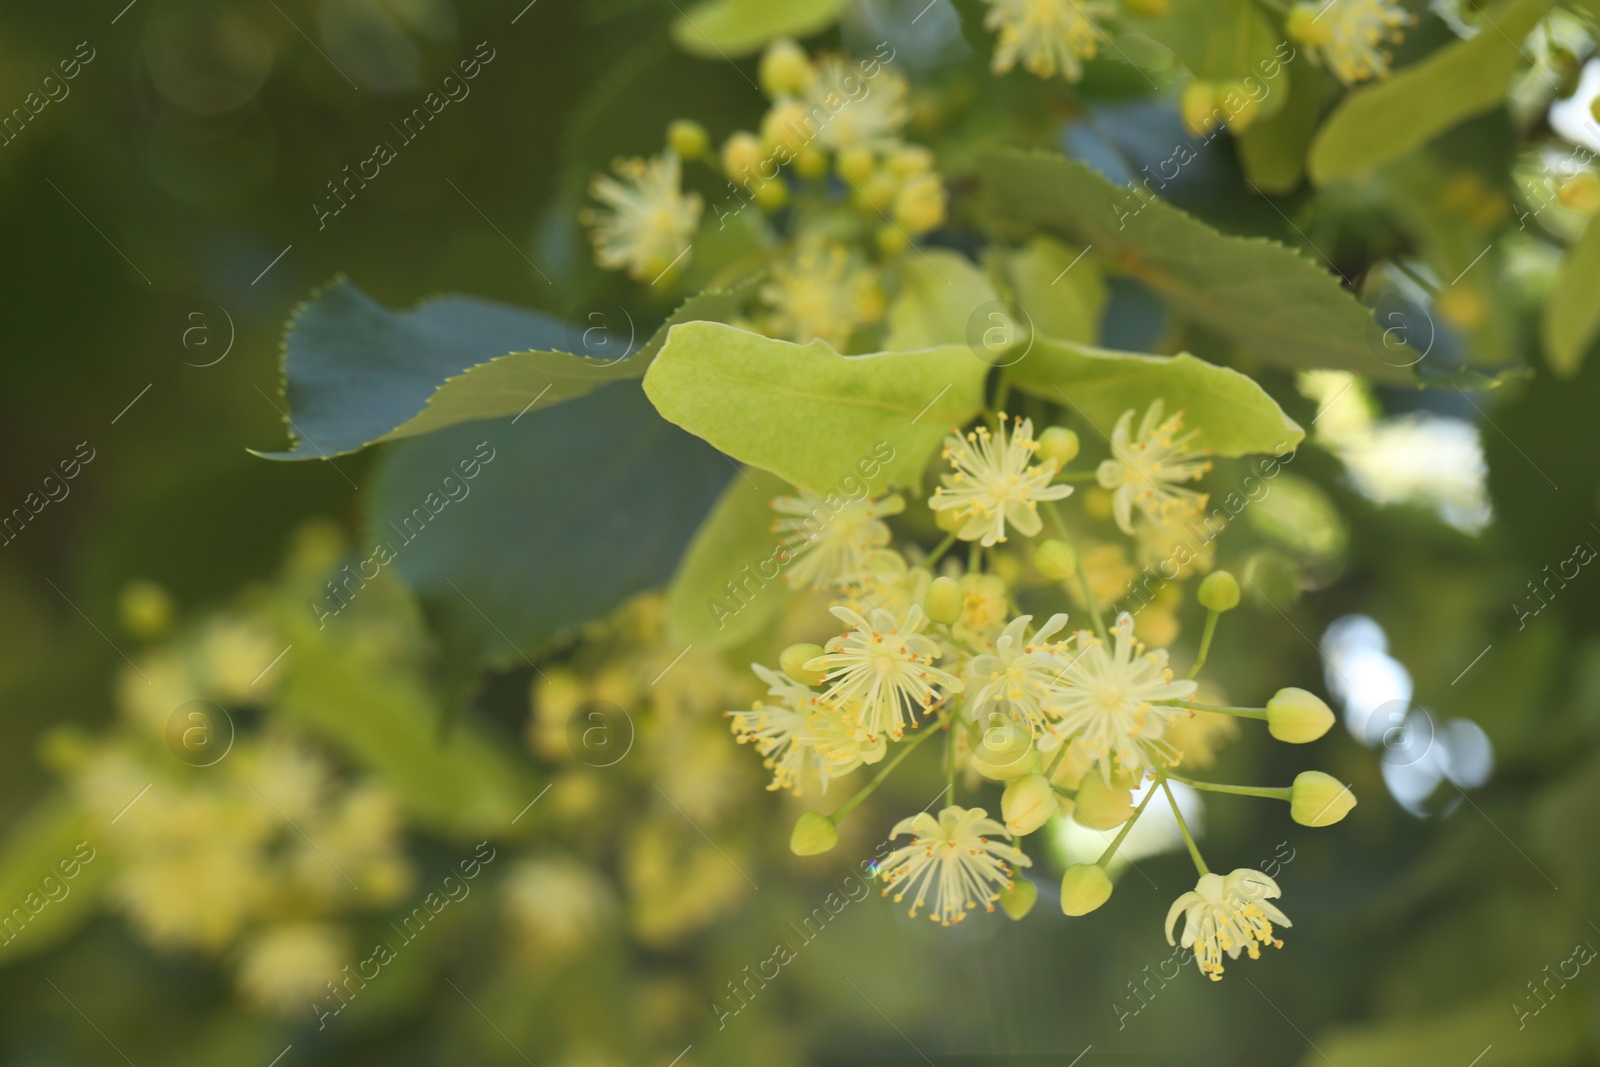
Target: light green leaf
808, 414
1234, 414
1263, 296
723, 28
734, 546
1383, 121
36, 846
940, 292
1572, 317
1061, 289
466, 785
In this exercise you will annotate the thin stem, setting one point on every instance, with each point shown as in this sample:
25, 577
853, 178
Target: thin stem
1205, 642
1061, 755
1243, 713
866, 790
944, 546
1427, 286
1083, 582
974, 558
1002, 389
1077, 476
1105, 857
950, 760
1183, 828
1238, 790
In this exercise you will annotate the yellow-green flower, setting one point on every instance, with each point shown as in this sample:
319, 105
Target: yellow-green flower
1048, 37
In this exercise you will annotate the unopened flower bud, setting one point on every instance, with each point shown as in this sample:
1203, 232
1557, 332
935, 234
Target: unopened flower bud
146, 609
857, 164
688, 138
1055, 560
1198, 106
1084, 888
741, 157
1005, 752
891, 242
1027, 804
794, 660
1219, 591
1319, 799
785, 69
1303, 25
810, 162
814, 834
1019, 899
950, 520
1058, 443
944, 600
784, 126
772, 195
1297, 717
878, 191
1100, 806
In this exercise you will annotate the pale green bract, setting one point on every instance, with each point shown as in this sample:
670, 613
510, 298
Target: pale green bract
738, 532
722, 28
808, 414
1234, 414
1382, 122
1572, 318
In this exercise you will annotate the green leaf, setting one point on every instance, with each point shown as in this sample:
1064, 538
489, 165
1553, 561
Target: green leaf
1061, 289
588, 504
35, 847
808, 414
723, 28
1572, 317
1459, 1035
464, 786
1263, 296
940, 292
357, 373
1383, 121
1234, 414
735, 540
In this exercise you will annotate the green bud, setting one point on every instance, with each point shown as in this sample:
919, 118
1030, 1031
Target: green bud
1058, 443
1084, 888
944, 600
814, 834
785, 69
950, 520
1027, 804
1100, 806
1019, 899
146, 609
1055, 560
1297, 717
1319, 799
794, 660
1005, 752
688, 138
1219, 591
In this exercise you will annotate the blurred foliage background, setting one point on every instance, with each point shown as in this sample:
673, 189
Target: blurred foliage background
159, 223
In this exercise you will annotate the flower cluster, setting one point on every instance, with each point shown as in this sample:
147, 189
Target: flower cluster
1066, 722
1351, 34
836, 196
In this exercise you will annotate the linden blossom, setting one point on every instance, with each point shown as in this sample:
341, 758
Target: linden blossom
384, 153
